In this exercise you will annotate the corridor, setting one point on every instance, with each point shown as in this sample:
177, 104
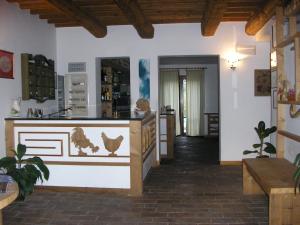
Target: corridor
191, 189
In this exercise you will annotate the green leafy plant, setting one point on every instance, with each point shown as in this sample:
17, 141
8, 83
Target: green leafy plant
296, 175
26, 172
263, 146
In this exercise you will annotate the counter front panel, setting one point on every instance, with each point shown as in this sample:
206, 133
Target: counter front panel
89, 153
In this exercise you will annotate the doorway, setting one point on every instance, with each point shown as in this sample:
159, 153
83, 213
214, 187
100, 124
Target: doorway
190, 86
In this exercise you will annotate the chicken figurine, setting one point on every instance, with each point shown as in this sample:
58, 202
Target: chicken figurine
112, 145
81, 141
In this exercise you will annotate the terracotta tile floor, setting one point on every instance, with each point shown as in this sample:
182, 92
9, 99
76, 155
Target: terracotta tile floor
192, 189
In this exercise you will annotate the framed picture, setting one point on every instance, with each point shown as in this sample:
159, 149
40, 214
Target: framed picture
6, 64
262, 82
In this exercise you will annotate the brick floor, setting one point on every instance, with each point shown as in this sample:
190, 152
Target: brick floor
192, 189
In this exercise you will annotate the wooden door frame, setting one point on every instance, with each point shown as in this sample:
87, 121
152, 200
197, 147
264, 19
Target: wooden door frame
181, 104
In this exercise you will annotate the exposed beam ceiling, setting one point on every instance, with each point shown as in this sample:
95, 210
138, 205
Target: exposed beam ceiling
213, 15
96, 15
261, 17
90, 23
136, 17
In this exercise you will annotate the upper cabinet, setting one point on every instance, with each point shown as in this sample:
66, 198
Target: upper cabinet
38, 77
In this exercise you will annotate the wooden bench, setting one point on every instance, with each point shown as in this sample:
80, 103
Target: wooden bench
274, 178
12, 192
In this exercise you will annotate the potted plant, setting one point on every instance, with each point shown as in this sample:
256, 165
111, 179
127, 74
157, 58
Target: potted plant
26, 172
263, 146
296, 175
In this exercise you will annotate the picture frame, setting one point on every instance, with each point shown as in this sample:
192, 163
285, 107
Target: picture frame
262, 82
6, 64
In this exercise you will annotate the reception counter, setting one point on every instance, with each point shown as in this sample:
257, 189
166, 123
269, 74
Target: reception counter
89, 153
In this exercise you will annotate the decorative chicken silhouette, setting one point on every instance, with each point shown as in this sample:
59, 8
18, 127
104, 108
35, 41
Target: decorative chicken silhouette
112, 145
81, 141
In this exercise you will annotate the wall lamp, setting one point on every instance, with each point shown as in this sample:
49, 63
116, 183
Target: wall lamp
233, 59
235, 55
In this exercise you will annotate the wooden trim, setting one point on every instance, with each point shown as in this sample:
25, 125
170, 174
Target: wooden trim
68, 125
9, 137
148, 118
230, 163
136, 159
40, 188
171, 130
73, 163
149, 150
44, 132
289, 135
99, 156
43, 147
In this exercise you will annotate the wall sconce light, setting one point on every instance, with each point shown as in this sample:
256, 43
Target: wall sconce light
233, 59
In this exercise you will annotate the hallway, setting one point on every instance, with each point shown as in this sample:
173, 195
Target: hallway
192, 189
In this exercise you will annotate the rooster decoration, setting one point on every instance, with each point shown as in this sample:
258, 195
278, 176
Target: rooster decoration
81, 141
112, 145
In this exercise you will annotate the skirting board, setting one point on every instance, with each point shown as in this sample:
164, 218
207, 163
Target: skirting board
231, 163
82, 189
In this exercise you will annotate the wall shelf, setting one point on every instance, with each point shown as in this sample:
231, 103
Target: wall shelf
289, 135
38, 77
288, 40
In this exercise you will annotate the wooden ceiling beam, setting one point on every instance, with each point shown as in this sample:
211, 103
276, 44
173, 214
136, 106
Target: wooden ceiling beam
212, 16
260, 18
93, 25
136, 17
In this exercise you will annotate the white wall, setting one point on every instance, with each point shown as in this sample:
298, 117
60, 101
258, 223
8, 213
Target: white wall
21, 32
237, 118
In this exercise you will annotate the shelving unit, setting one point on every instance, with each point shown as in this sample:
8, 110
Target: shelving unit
76, 94
212, 124
61, 93
115, 86
106, 91
38, 77
288, 83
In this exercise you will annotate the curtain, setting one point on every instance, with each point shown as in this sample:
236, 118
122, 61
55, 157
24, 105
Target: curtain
195, 102
169, 92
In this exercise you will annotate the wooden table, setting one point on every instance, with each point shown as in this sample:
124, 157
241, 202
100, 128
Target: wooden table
8, 197
273, 177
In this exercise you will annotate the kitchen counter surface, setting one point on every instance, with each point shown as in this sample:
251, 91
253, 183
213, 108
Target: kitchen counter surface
123, 116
